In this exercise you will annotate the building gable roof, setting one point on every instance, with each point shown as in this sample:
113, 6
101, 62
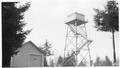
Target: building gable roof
30, 42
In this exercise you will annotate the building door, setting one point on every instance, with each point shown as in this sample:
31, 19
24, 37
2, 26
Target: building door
35, 60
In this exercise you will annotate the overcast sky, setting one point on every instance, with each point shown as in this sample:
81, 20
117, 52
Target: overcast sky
47, 20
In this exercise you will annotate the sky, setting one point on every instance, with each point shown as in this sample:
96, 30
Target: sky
47, 20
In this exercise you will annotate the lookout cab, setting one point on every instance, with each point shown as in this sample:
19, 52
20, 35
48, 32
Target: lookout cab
76, 19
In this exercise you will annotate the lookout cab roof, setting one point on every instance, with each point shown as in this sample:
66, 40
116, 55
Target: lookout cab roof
76, 19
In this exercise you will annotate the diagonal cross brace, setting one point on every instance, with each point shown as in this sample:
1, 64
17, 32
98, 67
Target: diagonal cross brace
77, 52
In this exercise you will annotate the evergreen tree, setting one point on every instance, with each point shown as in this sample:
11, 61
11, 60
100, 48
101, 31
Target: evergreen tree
97, 62
60, 60
69, 60
45, 62
107, 20
12, 30
47, 51
108, 62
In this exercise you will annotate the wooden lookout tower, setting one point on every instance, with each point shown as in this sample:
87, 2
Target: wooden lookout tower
76, 42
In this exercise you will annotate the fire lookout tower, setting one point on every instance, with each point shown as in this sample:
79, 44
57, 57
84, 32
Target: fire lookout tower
76, 41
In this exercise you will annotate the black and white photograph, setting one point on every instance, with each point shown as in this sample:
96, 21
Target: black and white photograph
60, 33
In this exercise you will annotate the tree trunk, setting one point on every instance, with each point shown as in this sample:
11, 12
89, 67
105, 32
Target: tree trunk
114, 53
45, 62
6, 60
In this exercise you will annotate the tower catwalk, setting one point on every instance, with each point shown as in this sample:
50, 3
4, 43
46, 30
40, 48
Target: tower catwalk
76, 42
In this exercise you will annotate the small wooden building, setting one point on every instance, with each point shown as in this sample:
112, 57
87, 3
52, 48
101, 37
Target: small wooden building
29, 55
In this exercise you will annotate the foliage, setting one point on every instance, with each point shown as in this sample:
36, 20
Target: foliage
47, 49
60, 60
45, 62
12, 29
69, 60
107, 20
105, 62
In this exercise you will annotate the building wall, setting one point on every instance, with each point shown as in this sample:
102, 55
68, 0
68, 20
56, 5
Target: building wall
22, 59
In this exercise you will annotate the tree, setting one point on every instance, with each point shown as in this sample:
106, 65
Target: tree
70, 60
106, 62
13, 34
107, 20
97, 62
47, 51
60, 60
45, 62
